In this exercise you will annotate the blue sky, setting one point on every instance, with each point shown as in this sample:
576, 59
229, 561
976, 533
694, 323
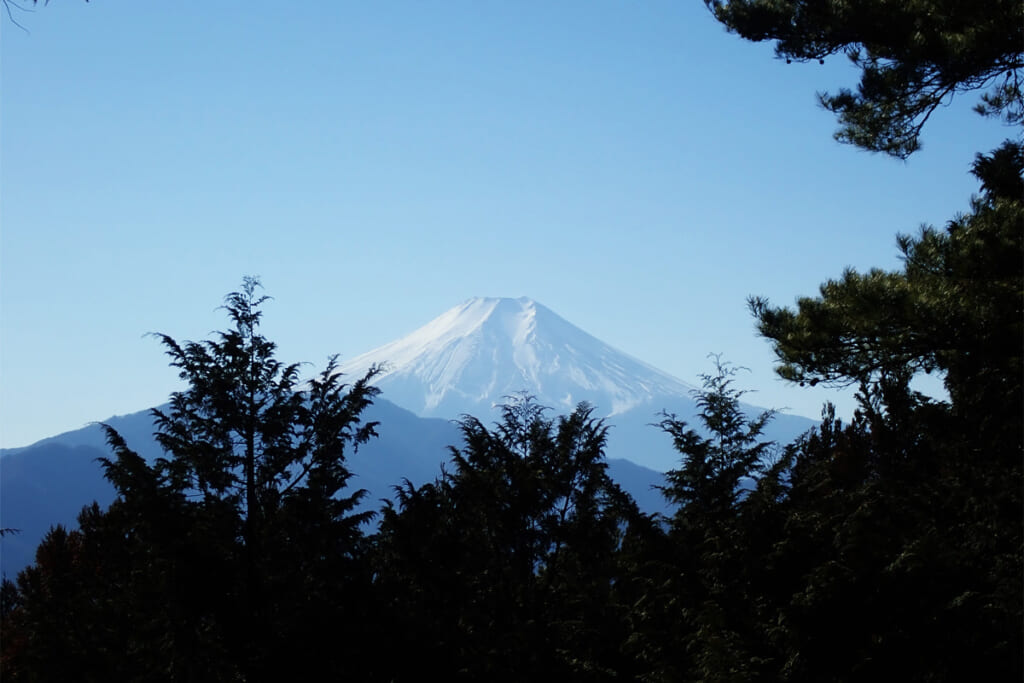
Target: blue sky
630, 165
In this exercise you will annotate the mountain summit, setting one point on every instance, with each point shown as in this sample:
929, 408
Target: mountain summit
484, 350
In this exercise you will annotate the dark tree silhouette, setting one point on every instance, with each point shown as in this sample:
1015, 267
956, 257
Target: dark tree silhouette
912, 57
231, 555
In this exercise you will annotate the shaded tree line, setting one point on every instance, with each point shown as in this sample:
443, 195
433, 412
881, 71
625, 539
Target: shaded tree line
887, 546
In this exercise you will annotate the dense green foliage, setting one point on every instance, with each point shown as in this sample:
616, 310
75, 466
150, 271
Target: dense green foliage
913, 56
956, 308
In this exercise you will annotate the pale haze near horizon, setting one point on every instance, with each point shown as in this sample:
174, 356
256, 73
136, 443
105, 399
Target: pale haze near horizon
631, 166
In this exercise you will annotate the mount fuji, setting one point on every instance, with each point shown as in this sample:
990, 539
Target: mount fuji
480, 353
476, 355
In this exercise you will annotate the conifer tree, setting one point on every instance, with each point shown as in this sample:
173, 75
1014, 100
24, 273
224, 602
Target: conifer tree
908, 520
912, 56
236, 553
502, 569
698, 607
956, 308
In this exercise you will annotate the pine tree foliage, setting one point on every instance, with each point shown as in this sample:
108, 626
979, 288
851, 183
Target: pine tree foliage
229, 556
907, 521
956, 307
913, 56
714, 468
885, 525
503, 567
245, 435
697, 612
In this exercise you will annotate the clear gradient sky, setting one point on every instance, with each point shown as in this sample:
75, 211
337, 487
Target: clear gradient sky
628, 164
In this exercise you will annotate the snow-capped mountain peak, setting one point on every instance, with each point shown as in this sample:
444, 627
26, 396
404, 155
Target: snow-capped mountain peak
484, 350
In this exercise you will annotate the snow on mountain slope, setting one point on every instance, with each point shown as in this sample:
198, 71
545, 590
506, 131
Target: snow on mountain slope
475, 355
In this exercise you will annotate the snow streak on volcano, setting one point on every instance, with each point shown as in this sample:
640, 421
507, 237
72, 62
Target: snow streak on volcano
479, 353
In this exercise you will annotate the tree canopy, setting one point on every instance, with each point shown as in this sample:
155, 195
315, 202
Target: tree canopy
956, 307
504, 567
913, 56
227, 557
